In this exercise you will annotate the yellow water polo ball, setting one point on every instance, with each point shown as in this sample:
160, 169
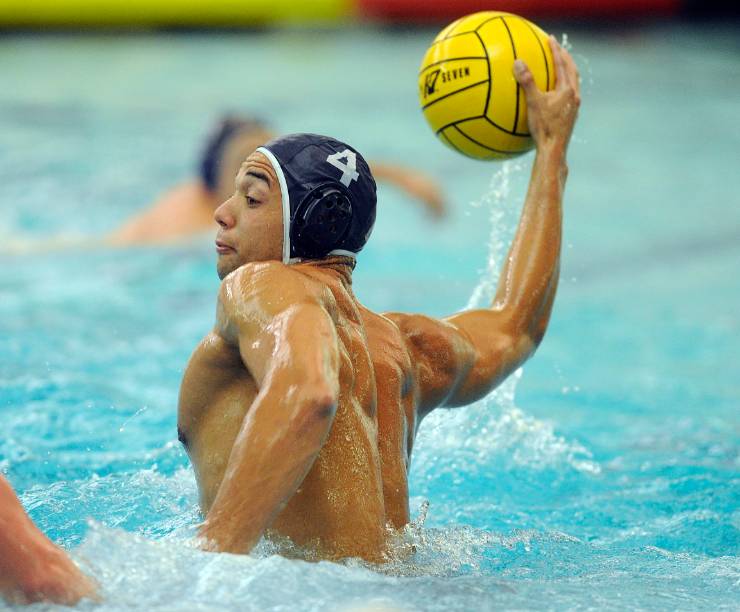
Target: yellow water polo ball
467, 90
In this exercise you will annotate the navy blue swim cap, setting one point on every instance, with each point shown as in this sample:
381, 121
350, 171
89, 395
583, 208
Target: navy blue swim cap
220, 136
328, 196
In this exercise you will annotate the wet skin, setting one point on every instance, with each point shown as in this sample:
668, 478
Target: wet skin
299, 409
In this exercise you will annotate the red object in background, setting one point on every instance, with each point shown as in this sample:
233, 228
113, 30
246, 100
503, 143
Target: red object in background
441, 10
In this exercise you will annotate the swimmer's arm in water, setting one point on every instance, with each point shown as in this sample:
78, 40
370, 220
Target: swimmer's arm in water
465, 356
182, 211
414, 182
288, 343
32, 568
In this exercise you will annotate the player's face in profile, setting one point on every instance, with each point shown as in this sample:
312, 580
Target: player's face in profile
251, 220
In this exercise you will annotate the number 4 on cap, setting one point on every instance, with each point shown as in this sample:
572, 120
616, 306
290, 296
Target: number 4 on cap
349, 170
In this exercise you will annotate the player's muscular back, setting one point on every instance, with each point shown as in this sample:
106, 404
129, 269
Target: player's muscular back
380, 362
396, 414
340, 500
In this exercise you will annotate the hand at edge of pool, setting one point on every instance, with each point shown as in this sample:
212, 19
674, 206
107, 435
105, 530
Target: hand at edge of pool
32, 568
551, 115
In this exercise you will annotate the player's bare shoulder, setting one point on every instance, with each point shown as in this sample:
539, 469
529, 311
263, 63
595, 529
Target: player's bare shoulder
440, 353
256, 292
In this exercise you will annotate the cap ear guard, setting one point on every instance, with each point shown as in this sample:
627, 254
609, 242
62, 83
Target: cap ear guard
321, 221
321, 215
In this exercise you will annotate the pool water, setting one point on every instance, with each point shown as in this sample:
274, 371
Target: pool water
604, 475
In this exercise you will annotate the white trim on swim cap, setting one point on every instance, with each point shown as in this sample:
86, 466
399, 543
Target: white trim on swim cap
285, 198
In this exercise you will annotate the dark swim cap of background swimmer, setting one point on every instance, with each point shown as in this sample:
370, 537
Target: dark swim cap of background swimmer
221, 134
328, 196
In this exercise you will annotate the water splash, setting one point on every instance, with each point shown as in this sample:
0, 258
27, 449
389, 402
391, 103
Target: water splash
492, 446
494, 433
132, 417
503, 216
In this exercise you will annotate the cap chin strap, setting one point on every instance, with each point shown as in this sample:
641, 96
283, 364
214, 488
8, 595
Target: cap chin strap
337, 252
285, 202
343, 253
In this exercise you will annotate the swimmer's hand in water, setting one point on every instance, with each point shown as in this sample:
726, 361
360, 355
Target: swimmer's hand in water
32, 568
48, 575
552, 114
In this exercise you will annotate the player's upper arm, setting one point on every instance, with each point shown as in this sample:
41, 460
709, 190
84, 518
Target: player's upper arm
460, 359
284, 333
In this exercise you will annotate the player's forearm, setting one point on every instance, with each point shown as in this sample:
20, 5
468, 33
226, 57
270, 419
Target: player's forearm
530, 275
279, 441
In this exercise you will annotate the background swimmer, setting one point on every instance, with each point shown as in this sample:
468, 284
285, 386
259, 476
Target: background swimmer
187, 208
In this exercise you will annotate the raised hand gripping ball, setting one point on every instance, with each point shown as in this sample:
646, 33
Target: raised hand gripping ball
467, 89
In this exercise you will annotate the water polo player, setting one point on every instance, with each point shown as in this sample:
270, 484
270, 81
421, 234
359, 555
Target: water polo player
299, 410
187, 209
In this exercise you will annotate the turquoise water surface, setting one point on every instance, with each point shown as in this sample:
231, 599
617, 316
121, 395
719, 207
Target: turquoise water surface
605, 475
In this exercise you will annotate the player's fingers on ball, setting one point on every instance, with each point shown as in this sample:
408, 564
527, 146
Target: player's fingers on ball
562, 79
524, 77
